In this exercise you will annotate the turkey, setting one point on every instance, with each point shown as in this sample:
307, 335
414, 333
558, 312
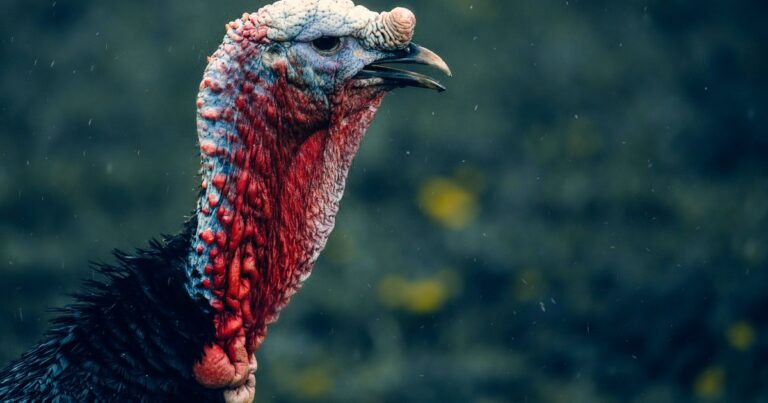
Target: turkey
283, 105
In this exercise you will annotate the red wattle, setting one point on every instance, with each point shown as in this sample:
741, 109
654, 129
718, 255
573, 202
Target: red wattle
284, 156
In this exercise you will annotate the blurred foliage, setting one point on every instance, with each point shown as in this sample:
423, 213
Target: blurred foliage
741, 336
709, 384
582, 217
418, 297
447, 203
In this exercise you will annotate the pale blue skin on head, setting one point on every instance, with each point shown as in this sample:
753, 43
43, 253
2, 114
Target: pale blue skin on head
318, 73
330, 72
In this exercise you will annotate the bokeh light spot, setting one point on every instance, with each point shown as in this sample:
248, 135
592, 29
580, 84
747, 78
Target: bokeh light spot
741, 335
447, 203
710, 383
314, 382
417, 296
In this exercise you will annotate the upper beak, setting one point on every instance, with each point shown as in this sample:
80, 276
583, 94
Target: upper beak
413, 54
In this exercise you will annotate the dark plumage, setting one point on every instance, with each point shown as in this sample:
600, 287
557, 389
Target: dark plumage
132, 336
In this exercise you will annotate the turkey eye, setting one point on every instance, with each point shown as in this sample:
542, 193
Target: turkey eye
327, 44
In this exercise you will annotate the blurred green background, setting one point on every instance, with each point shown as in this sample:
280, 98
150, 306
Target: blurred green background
583, 217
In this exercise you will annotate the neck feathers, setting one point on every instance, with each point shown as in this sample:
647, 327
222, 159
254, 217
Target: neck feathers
136, 320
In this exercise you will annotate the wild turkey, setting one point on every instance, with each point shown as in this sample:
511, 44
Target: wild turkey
282, 108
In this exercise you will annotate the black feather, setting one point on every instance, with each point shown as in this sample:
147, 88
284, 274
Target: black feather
132, 336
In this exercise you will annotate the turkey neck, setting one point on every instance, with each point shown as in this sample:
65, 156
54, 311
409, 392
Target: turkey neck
275, 157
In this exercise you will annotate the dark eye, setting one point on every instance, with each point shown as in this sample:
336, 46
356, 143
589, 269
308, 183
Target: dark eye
327, 44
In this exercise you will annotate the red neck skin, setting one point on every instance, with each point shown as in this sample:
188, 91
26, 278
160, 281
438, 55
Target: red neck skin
275, 159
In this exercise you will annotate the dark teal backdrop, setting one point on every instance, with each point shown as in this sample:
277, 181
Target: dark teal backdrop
583, 217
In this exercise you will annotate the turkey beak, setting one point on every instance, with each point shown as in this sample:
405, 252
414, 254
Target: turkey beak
412, 54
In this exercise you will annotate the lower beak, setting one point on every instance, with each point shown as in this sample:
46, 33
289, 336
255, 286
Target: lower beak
413, 54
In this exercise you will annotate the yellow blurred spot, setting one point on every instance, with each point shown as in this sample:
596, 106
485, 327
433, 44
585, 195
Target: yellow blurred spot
709, 384
420, 296
314, 382
425, 296
447, 203
741, 335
